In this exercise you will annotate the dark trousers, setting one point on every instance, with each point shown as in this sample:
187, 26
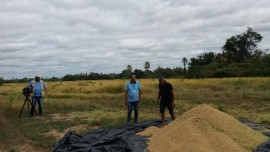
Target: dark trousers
164, 104
132, 105
36, 100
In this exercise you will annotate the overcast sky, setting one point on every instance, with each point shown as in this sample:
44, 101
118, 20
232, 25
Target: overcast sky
59, 37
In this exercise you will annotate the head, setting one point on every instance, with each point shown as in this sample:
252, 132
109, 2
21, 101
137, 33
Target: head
37, 77
133, 78
161, 80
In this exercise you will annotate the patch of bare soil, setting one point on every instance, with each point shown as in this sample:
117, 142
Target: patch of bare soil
56, 117
59, 116
54, 133
58, 135
28, 146
25, 146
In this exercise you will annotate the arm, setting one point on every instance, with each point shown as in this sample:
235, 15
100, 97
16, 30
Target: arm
126, 95
45, 88
140, 95
172, 93
159, 96
140, 92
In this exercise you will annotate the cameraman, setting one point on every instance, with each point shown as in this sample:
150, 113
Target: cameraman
39, 87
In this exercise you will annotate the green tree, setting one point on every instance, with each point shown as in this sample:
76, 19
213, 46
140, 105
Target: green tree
146, 65
124, 74
139, 73
195, 68
128, 70
184, 61
178, 71
241, 47
166, 72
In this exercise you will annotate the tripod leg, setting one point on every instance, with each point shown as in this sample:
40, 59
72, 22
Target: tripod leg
28, 107
22, 108
32, 106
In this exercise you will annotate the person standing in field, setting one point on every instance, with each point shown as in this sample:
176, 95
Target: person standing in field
165, 99
39, 90
133, 97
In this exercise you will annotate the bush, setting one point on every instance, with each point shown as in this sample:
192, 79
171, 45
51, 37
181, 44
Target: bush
224, 72
1, 81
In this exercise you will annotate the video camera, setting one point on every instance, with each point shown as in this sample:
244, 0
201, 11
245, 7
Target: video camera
26, 91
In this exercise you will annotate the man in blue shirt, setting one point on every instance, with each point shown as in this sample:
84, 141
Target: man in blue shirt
133, 97
39, 87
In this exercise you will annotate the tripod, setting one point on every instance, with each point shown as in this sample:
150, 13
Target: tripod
27, 101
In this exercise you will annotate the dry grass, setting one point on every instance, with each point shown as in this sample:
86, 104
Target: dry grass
101, 103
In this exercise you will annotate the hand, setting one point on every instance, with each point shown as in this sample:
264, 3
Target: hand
126, 103
139, 100
173, 104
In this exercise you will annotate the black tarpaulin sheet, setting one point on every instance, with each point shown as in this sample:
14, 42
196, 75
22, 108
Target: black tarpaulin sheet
124, 139
264, 147
120, 139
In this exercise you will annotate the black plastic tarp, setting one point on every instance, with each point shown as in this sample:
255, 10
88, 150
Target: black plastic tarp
124, 139
264, 147
120, 139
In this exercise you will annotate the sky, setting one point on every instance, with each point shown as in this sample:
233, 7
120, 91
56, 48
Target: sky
59, 37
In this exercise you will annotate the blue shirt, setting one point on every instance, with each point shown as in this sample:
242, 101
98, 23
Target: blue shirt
133, 91
37, 88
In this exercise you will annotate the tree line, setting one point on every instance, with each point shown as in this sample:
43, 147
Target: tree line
239, 57
146, 73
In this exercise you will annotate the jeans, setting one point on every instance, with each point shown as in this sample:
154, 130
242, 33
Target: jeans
132, 105
36, 100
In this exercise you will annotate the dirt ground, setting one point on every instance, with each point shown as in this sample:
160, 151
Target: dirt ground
27, 145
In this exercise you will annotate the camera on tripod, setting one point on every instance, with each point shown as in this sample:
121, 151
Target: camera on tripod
26, 91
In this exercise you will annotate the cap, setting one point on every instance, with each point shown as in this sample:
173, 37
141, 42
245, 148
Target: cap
37, 76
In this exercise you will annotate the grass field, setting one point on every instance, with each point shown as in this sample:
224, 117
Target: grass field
85, 105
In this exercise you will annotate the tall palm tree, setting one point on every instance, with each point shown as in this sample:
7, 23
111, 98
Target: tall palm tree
129, 70
184, 61
146, 65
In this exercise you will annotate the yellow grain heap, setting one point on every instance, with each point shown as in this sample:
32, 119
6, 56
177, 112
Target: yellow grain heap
204, 129
149, 131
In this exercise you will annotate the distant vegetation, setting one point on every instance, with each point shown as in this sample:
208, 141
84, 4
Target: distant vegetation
240, 57
1, 81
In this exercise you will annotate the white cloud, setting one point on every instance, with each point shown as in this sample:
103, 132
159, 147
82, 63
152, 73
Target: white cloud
55, 38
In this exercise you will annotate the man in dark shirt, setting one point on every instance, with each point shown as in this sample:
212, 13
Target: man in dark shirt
166, 98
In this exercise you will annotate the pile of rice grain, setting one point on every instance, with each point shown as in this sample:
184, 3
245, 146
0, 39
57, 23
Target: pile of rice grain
204, 129
149, 131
